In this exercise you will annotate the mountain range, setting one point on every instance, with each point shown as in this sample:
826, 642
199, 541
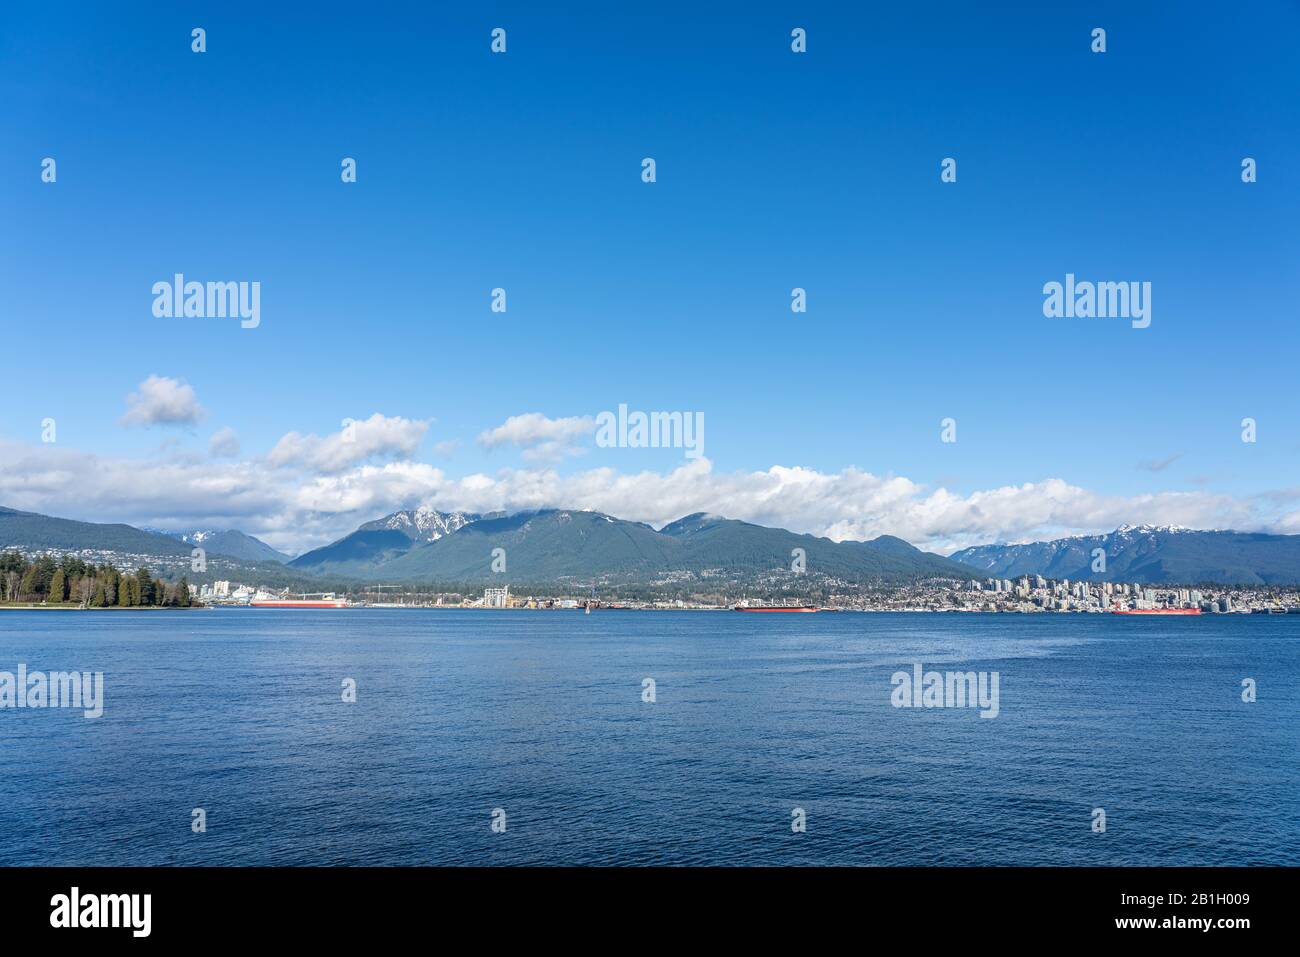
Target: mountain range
385, 539
559, 545
1149, 554
29, 530
171, 554
571, 547
230, 542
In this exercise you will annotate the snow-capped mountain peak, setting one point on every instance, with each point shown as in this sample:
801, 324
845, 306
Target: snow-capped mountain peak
423, 524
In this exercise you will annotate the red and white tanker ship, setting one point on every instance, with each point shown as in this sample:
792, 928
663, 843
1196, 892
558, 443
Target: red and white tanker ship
321, 600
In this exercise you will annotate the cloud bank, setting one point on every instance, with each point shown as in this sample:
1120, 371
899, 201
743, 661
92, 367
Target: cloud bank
312, 489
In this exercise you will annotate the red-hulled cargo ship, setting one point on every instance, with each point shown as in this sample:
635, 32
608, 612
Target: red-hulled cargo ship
326, 600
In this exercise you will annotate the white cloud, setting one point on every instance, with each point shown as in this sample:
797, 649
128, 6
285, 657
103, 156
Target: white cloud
163, 401
543, 439
224, 444
293, 511
355, 442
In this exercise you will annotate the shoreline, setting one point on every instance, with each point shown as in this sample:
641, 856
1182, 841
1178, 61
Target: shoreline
68, 606
860, 611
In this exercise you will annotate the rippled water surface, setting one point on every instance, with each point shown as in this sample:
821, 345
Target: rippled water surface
239, 712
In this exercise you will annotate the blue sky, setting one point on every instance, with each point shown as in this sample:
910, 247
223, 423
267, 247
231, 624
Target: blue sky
775, 170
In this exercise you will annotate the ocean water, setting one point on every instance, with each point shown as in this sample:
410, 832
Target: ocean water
458, 713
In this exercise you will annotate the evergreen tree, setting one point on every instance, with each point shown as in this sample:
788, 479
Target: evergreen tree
58, 586
73, 567
45, 568
146, 586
